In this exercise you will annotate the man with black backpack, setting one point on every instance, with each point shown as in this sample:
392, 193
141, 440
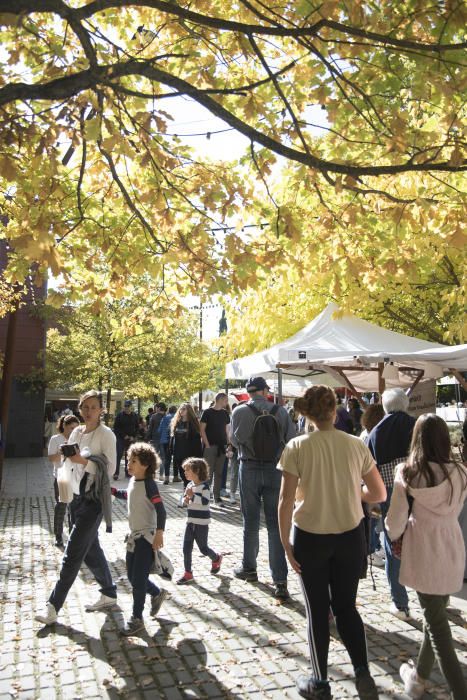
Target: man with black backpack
260, 431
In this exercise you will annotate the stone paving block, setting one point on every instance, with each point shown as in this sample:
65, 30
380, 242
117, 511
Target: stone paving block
220, 638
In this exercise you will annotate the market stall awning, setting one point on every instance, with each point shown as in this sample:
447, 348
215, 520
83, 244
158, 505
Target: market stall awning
353, 352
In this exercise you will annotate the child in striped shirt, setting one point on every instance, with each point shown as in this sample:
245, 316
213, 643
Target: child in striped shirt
197, 498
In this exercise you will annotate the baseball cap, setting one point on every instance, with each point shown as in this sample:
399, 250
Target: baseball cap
256, 384
128, 403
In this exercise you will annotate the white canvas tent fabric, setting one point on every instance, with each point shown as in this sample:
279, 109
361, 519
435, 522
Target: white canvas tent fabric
334, 340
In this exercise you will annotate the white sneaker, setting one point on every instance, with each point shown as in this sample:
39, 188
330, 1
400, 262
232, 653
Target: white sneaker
232, 498
50, 615
378, 558
103, 602
401, 613
414, 686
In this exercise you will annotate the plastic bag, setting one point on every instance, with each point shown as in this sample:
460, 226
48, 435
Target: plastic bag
65, 488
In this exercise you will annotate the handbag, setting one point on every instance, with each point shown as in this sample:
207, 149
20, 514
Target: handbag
396, 546
65, 488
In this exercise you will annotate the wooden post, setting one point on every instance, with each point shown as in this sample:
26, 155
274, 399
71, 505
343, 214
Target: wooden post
419, 377
381, 380
350, 386
459, 377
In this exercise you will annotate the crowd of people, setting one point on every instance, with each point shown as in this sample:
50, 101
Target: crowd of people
331, 479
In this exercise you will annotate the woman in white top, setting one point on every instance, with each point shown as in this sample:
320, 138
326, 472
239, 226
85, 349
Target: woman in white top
321, 492
92, 438
65, 426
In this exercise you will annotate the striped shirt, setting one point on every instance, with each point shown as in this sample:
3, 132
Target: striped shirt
198, 507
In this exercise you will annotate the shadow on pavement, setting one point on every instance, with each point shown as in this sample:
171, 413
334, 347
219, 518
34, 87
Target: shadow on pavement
160, 666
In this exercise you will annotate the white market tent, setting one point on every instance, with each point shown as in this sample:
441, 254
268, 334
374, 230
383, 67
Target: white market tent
353, 352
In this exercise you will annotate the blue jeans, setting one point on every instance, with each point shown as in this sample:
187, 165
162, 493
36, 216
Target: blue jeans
261, 483
83, 546
122, 449
138, 566
375, 544
166, 458
393, 564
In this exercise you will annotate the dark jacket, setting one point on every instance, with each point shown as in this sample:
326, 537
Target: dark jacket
390, 439
126, 424
153, 428
100, 489
187, 444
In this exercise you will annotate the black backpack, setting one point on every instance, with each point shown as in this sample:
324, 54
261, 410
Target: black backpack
267, 440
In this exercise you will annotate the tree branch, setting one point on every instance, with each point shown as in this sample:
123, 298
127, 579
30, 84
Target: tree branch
171, 8
90, 79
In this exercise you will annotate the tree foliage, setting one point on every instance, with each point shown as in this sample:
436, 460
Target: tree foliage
121, 348
95, 176
11, 297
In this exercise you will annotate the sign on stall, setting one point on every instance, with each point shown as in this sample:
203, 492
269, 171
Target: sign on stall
423, 398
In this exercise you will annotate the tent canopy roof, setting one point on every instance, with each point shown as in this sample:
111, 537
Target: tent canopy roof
341, 340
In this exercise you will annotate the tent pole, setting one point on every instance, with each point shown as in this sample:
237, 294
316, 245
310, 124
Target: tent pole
348, 384
227, 387
381, 380
279, 386
420, 375
459, 377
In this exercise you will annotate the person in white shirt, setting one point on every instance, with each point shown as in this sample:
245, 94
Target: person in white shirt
65, 426
92, 438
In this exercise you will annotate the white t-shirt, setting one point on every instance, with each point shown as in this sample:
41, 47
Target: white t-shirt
100, 441
330, 465
53, 448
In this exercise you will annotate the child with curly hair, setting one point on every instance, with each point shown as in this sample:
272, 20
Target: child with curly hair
146, 518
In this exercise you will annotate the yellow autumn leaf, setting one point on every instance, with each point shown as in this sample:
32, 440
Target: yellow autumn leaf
92, 129
8, 169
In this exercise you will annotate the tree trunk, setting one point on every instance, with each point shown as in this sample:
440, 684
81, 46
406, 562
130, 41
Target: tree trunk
7, 378
108, 400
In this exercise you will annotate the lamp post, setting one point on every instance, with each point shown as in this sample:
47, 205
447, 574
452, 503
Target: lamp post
200, 395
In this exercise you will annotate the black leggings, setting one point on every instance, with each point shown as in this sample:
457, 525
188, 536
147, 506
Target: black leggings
331, 566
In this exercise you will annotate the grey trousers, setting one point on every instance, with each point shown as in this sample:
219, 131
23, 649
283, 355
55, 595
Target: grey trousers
437, 644
215, 457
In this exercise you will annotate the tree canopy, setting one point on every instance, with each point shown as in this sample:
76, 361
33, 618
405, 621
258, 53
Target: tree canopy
93, 174
123, 348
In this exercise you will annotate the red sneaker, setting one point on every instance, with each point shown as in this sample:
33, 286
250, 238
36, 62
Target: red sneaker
216, 565
186, 578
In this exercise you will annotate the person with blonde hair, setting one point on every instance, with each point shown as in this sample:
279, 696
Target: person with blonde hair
322, 494
185, 438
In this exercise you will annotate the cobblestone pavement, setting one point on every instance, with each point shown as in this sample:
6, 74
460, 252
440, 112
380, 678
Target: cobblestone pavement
217, 638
